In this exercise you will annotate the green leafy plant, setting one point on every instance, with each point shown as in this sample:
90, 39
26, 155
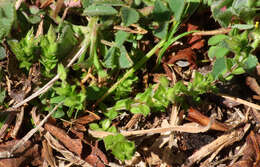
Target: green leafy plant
225, 11
73, 100
120, 147
157, 97
242, 60
25, 50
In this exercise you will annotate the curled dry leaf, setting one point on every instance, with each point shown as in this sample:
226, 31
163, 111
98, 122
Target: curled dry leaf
195, 116
186, 54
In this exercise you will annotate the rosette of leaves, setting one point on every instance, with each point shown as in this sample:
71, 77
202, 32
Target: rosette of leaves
25, 50
55, 49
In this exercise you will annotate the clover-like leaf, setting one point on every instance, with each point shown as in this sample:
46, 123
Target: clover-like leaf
129, 16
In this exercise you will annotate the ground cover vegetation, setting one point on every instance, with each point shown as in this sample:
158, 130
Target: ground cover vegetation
129, 83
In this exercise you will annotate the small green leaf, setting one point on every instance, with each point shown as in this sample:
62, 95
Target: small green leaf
162, 31
124, 104
94, 126
238, 71
121, 37
216, 39
161, 12
177, 7
94, 92
100, 10
7, 17
121, 148
124, 60
218, 52
57, 99
219, 67
59, 113
34, 9
251, 63
112, 129
111, 114
105, 124
62, 72
110, 58
140, 109
129, 16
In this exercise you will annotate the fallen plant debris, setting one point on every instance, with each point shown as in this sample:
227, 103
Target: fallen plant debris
129, 83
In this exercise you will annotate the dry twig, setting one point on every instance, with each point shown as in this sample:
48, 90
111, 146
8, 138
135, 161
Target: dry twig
188, 128
241, 101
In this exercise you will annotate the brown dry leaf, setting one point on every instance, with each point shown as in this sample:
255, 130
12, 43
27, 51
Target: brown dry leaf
73, 145
185, 54
27, 154
195, 116
87, 118
195, 41
96, 157
251, 156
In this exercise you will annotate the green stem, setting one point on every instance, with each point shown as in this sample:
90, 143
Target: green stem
132, 70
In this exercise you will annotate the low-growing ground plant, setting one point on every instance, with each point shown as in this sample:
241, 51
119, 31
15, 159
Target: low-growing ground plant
118, 38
